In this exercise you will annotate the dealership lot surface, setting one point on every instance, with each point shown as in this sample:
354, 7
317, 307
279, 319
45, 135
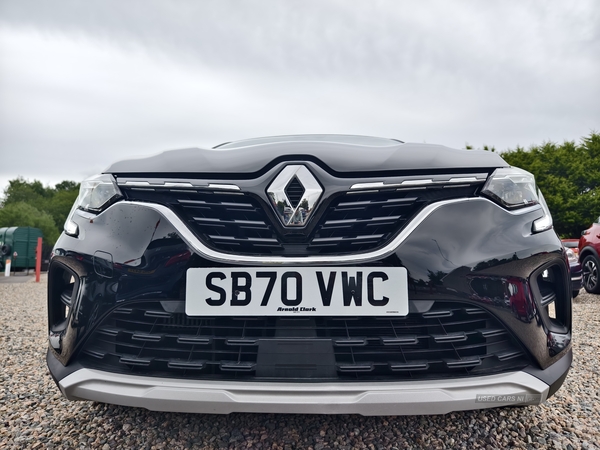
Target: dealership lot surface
33, 413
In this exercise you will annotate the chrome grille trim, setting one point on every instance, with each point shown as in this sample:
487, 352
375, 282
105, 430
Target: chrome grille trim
477, 178
178, 184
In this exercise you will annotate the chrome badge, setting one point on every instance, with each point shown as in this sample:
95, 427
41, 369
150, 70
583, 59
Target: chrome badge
294, 194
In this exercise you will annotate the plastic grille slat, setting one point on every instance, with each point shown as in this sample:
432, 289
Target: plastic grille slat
368, 348
241, 223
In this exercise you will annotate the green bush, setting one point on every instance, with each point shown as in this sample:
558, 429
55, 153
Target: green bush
568, 175
43, 205
21, 214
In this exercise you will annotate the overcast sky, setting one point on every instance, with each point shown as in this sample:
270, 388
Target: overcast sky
87, 83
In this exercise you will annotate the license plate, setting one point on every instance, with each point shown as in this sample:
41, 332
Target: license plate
304, 291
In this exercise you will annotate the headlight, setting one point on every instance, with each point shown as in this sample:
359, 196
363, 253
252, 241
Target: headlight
514, 188
95, 195
571, 256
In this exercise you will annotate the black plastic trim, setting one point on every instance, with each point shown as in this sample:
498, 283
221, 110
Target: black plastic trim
554, 375
562, 303
57, 370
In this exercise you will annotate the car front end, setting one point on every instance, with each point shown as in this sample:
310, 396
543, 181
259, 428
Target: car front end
310, 274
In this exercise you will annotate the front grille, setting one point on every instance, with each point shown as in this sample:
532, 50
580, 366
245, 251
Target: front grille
450, 340
238, 223
361, 222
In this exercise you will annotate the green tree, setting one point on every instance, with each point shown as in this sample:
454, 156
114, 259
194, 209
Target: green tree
569, 177
67, 186
55, 202
21, 214
33, 193
60, 205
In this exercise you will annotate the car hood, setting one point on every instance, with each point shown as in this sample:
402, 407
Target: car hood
339, 157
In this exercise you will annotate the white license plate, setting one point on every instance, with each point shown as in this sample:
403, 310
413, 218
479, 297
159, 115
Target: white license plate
304, 291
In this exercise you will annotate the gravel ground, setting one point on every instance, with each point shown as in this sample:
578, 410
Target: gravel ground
34, 415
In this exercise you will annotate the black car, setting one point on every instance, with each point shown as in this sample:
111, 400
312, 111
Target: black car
310, 274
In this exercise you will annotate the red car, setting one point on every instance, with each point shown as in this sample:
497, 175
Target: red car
589, 249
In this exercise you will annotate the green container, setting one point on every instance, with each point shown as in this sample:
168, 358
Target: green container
22, 240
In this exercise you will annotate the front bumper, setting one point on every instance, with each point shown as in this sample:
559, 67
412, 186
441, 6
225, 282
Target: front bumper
367, 399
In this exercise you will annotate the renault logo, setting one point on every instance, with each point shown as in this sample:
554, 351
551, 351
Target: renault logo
294, 194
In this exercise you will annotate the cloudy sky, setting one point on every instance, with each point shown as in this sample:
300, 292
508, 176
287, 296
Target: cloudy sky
84, 84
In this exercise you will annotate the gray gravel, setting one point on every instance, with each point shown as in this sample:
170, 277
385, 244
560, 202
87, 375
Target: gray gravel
33, 414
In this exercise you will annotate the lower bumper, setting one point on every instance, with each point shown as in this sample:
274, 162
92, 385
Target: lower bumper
369, 399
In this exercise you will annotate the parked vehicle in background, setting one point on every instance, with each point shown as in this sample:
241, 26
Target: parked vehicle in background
589, 248
572, 249
573, 244
576, 272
